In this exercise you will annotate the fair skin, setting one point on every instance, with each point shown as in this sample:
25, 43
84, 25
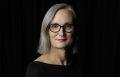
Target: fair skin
59, 41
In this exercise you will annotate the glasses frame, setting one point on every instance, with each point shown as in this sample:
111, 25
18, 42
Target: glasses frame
61, 27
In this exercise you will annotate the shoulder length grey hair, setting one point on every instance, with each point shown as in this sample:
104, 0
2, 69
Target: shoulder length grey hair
44, 42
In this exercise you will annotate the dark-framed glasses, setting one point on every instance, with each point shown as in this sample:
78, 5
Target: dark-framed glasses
66, 27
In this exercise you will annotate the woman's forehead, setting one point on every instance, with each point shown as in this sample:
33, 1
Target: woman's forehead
62, 16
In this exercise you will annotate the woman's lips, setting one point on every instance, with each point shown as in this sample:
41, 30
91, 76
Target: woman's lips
61, 40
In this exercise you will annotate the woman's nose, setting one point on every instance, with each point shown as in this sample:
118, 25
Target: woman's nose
61, 32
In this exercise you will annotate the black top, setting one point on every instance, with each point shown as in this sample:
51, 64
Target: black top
40, 69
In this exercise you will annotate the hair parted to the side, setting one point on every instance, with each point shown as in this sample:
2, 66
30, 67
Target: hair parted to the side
44, 42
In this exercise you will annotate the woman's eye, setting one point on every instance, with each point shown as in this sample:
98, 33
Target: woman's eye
55, 26
69, 26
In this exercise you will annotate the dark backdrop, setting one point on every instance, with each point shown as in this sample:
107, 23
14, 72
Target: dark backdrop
98, 23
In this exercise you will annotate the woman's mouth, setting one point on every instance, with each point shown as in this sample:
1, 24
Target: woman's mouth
61, 40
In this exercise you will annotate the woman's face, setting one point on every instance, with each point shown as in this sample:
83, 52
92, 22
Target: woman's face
61, 39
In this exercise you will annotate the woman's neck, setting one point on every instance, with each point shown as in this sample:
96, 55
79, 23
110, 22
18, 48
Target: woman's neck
57, 56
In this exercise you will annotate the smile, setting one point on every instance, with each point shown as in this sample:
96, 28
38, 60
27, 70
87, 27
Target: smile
61, 40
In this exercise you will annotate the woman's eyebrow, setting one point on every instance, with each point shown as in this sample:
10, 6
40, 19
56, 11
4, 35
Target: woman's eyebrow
54, 23
63, 24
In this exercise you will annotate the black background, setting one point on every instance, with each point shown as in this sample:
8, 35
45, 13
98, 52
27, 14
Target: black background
99, 22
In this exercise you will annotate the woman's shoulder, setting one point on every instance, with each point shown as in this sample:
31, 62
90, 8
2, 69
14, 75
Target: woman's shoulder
37, 64
34, 64
35, 69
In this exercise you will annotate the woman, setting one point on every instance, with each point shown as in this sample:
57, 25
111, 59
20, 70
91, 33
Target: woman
57, 44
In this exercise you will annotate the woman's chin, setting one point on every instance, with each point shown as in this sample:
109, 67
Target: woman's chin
60, 46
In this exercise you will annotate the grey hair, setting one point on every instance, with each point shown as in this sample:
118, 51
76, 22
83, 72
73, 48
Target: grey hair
44, 42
